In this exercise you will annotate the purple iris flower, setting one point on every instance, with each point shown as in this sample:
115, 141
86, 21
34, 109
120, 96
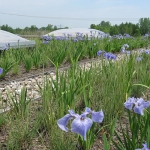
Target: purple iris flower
77, 33
58, 38
109, 56
123, 49
79, 38
128, 52
75, 40
145, 147
66, 39
47, 38
45, 42
146, 35
6, 47
129, 103
139, 58
126, 45
127, 35
146, 51
80, 35
136, 104
68, 35
142, 50
99, 52
81, 123
1, 71
91, 33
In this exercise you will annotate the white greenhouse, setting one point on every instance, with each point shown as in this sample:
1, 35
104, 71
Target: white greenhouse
76, 32
14, 41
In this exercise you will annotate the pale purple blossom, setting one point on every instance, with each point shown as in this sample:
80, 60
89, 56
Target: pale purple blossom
137, 105
47, 38
99, 52
109, 56
145, 147
128, 52
139, 58
58, 38
68, 35
123, 49
146, 35
126, 45
91, 33
6, 47
75, 40
45, 42
81, 123
1, 71
147, 51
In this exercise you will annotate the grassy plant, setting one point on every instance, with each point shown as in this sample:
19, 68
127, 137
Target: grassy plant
19, 104
7, 64
28, 63
15, 69
2, 120
36, 58
19, 136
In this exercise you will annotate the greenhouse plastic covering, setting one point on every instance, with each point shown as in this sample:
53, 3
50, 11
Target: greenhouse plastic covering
13, 41
74, 32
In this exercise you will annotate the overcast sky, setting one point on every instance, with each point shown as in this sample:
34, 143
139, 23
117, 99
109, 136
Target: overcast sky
71, 13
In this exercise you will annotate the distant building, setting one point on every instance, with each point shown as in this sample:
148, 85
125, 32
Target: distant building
76, 32
13, 41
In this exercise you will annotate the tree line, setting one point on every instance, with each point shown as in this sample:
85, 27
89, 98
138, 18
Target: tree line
141, 28
33, 29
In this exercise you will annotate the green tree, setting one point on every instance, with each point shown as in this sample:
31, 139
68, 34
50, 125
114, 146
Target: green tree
55, 28
7, 28
93, 26
114, 30
33, 28
144, 25
49, 27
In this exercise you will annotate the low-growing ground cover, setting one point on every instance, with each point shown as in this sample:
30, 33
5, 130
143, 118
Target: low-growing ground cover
105, 86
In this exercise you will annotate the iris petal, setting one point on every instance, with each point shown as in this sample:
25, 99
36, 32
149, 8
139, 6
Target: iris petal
62, 122
98, 116
128, 105
139, 110
72, 113
1, 70
145, 147
81, 125
87, 111
146, 104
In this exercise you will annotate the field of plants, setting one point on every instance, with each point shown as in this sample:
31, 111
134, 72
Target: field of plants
100, 107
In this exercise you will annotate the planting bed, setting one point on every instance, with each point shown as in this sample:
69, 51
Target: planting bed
14, 84
97, 83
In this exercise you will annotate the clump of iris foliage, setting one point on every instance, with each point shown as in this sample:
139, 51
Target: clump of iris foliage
102, 89
61, 51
